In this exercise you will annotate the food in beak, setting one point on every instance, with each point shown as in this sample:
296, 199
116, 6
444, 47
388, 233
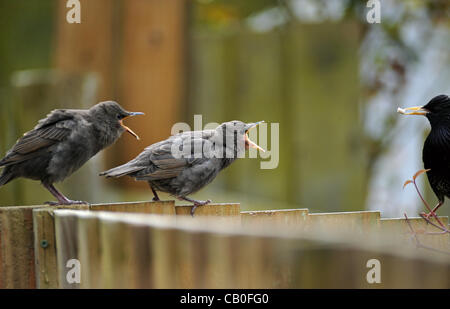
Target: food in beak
129, 130
250, 143
416, 110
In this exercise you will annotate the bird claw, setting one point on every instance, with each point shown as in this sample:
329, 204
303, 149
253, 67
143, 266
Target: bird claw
198, 203
78, 203
202, 203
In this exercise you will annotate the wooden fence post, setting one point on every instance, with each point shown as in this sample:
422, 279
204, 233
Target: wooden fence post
16, 248
152, 69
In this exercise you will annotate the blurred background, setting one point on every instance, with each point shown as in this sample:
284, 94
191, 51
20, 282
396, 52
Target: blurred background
331, 80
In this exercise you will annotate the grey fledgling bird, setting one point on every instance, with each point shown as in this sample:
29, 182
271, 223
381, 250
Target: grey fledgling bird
62, 142
186, 162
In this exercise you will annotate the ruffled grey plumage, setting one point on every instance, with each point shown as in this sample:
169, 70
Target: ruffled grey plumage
205, 154
62, 142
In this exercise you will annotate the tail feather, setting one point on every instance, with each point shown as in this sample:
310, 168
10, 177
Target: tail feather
121, 170
5, 178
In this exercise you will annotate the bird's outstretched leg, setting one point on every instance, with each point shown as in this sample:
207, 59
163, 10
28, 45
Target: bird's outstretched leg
155, 195
196, 203
62, 200
431, 212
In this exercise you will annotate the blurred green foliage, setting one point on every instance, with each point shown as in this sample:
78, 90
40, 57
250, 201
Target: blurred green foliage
25, 36
26, 30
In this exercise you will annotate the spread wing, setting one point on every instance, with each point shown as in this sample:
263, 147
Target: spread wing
50, 130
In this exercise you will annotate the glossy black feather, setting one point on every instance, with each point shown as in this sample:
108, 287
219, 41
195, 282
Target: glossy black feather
436, 149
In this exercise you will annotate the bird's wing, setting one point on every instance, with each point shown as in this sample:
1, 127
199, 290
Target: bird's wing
164, 164
54, 128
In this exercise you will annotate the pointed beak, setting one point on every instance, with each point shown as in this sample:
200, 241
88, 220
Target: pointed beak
416, 110
248, 142
131, 114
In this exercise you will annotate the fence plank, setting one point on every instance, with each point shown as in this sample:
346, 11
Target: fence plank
152, 69
288, 217
192, 273
45, 250
163, 246
125, 254
219, 209
139, 257
113, 258
89, 252
358, 221
66, 235
16, 248
160, 207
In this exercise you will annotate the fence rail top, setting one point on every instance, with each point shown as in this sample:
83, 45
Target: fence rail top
311, 237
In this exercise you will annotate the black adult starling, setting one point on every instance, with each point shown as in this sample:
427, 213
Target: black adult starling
186, 162
436, 149
62, 142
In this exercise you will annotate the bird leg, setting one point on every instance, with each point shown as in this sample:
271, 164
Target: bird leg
155, 195
196, 203
417, 241
439, 226
62, 200
432, 213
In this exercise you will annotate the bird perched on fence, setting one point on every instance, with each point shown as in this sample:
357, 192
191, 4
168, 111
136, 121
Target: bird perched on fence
186, 162
436, 149
62, 142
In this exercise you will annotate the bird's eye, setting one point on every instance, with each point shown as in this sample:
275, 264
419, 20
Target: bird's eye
119, 116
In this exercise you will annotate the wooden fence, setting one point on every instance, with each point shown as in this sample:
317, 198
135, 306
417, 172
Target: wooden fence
158, 245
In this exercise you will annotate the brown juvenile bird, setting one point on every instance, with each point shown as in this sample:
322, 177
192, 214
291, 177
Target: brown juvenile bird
186, 162
62, 142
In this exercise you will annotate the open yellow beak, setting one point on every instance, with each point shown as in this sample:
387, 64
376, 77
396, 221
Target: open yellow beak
416, 110
129, 130
250, 143
130, 114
